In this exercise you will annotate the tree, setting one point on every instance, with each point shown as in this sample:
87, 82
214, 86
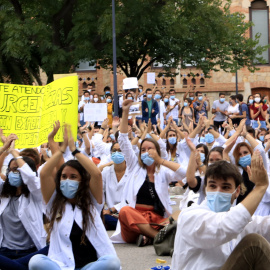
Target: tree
34, 35
199, 32
55, 35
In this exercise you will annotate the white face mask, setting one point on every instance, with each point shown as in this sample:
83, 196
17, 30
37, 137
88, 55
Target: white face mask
257, 99
96, 99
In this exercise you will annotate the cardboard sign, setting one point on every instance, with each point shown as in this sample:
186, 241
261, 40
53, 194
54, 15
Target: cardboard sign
95, 112
30, 111
151, 77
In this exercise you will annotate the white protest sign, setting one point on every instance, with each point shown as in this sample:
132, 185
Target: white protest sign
95, 112
151, 77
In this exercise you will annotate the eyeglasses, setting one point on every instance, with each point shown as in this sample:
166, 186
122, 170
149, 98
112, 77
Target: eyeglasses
116, 150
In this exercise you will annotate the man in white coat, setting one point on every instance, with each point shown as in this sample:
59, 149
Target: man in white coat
215, 235
161, 105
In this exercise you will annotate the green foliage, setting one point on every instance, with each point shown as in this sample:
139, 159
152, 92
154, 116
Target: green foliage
56, 34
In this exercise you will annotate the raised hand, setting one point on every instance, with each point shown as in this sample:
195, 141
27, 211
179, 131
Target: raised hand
2, 136
126, 104
56, 127
116, 121
257, 171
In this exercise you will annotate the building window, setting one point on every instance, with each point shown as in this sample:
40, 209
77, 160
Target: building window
260, 18
163, 82
193, 81
184, 83
201, 82
172, 82
85, 66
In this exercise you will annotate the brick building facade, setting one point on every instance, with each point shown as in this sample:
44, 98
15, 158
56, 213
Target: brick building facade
220, 81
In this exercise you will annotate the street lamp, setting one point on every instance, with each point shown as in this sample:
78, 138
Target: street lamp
115, 103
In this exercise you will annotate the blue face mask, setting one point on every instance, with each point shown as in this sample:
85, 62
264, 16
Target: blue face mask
87, 98
130, 98
251, 101
219, 201
202, 157
209, 138
112, 137
109, 100
261, 138
146, 159
117, 157
200, 98
202, 139
185, 104
107, 92
77, 144
140, 90
69, 188
172, 140
166, 100
192, 98
149, 96
222, 100
157, 96
15, 179
172, 97
245, 161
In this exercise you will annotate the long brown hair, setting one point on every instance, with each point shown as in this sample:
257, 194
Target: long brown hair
167, 142
237, 149
82, 197
157, 148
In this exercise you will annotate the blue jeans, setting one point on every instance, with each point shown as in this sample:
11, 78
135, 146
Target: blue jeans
176, 121
16, 254
42, 262
255, 124
22, 263
110, 222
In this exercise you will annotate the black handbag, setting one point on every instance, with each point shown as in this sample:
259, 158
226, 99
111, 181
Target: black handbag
164, 240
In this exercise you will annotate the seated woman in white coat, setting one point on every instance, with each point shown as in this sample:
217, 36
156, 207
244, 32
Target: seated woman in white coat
21, 219
78, 239
145, 198
215, 235
114, 179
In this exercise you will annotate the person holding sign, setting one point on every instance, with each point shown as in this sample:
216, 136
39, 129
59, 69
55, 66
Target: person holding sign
82, 103
149, 108
78, 239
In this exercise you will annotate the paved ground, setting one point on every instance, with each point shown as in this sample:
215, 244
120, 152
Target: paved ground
139, 258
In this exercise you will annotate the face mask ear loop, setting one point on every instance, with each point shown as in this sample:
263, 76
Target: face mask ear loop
234, 193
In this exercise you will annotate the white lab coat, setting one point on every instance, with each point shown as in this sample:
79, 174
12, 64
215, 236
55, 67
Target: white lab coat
162, 110
135, 179
30, 208
205, 239
60, 250
112, 188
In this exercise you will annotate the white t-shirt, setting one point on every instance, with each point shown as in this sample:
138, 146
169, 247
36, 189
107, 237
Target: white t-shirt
233, 109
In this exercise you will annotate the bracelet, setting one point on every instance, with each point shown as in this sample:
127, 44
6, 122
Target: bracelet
83, 132
102, 128
201, 165
76, 151
16, 158
138, 137
63, 152
163, 162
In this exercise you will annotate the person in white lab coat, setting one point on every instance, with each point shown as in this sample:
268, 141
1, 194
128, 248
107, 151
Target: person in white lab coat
78, 239
145, 198
114, 179
215, 235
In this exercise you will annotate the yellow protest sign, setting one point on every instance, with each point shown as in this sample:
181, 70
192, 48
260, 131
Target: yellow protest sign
30, 111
